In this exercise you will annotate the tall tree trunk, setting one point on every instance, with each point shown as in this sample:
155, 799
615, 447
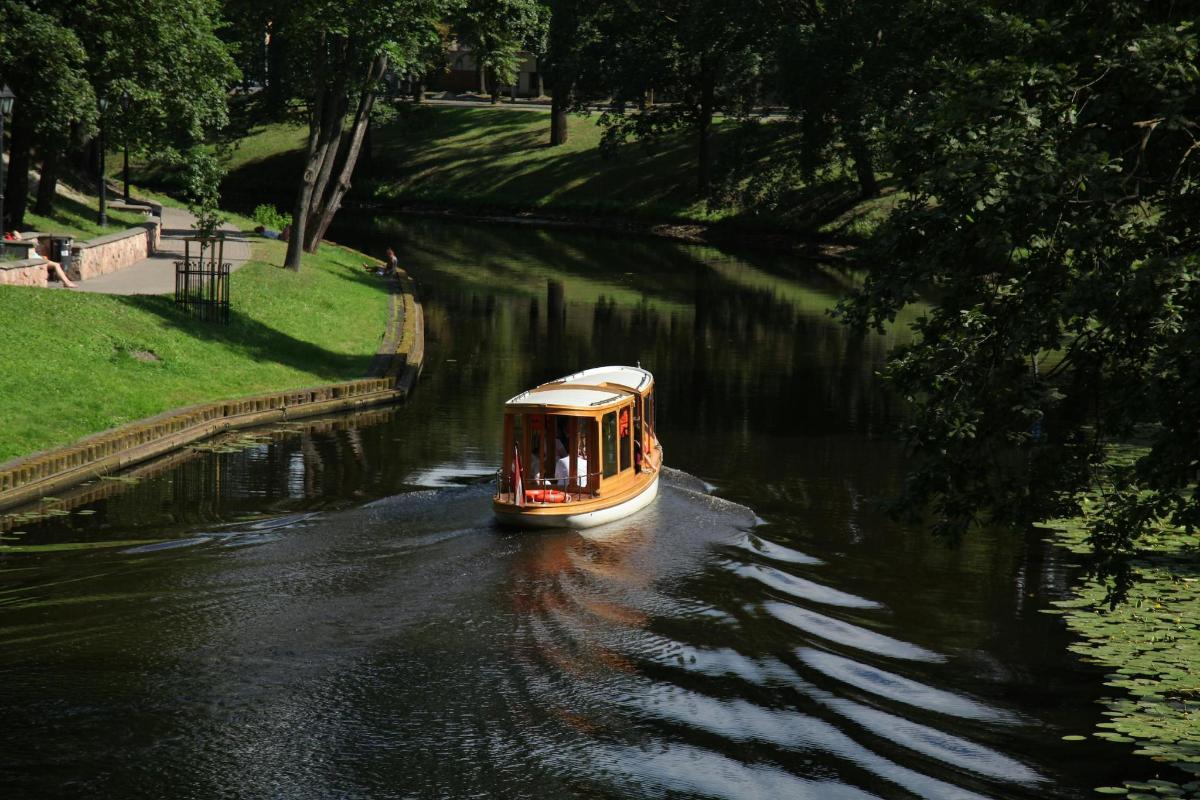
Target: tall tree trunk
418, 89
558, 114
482, 70
320, 133
367, 157
16, 188
860, 151
495, 86
704, 130
48, 182
541, 84
328, 205
336, 135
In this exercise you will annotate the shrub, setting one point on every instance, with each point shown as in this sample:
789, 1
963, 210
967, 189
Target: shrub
270, 217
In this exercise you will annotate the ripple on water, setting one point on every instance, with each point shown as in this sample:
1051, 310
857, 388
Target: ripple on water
835, 630
776, 552
693, 770
412, 627
801, 588
953, 750
900, 689
744, 721
593, 615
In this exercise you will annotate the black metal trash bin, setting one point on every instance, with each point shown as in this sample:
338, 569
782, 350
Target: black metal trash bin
60, 251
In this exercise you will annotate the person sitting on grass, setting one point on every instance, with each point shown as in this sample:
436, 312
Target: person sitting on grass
388, 268
265, 233
54, 270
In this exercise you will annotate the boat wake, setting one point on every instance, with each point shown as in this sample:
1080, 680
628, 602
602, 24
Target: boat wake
775, 684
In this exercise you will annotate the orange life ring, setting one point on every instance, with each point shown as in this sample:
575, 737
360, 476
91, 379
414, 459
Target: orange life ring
545, 496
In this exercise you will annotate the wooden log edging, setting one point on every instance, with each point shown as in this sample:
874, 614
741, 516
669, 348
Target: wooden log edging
28, 478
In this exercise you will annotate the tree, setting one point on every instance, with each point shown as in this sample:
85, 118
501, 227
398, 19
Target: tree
347, 48
44, 65
1052, 171
160, 54
572, 58
705, 56
496, 30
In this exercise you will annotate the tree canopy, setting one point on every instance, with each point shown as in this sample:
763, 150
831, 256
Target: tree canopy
1050, 164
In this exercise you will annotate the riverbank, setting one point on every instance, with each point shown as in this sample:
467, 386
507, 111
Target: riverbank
1151, 642
487, 163
80, 363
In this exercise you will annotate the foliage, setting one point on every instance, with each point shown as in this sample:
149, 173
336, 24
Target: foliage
1151, 642
161, 66
496, 30
44, 64
270, 217
700, 57
339, 56
202, 172
1051, 170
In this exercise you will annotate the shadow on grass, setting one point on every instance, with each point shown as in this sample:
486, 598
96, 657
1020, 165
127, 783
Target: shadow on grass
256, 340
75, 213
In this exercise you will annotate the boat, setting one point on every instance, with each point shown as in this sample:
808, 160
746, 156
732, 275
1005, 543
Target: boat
580, 451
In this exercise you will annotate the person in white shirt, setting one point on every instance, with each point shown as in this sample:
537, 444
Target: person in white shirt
562, 467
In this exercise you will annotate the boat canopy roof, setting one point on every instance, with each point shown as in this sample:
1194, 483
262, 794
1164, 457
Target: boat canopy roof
587, 390
634, 378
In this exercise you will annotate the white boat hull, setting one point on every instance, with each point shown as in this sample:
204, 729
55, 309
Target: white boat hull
587, 519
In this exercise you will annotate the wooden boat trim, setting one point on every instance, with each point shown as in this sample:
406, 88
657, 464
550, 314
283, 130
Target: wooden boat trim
638, 453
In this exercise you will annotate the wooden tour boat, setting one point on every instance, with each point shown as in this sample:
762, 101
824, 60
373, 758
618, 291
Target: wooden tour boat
580, 451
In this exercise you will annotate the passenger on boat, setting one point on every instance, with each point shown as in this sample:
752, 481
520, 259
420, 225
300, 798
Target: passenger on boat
562, 464
562, 467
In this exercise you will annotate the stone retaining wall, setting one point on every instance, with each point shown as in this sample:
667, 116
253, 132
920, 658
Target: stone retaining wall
99, 256
27, 272
114, 251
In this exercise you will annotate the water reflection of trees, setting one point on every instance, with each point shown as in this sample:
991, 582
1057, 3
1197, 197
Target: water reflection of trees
748, 362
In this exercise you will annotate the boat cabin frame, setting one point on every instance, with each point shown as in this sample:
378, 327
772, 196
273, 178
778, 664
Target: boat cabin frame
580, 440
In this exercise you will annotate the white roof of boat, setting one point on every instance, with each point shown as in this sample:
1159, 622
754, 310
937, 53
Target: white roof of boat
631, 377
587, 399
560, 393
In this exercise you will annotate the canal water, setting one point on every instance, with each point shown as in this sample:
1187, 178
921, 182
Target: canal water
325, 610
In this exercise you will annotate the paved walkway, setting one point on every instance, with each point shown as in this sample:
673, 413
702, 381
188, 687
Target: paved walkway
156, 275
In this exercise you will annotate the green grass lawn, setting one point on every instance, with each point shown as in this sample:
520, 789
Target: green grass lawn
76, 363
77, 219
498, 160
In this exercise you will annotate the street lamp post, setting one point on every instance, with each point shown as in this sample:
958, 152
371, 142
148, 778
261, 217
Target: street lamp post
103, 216
125, 110
6, 103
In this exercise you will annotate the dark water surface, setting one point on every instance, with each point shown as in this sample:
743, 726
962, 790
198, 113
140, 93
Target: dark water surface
328, 612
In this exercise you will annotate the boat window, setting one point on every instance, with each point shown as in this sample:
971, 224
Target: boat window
588, 438
535, 449
608, 432
625, 430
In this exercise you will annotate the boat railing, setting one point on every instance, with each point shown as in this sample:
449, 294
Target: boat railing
572, 492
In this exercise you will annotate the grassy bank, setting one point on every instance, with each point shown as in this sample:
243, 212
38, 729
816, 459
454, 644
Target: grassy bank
495, 161
79, 363
1151, 644
76, 217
